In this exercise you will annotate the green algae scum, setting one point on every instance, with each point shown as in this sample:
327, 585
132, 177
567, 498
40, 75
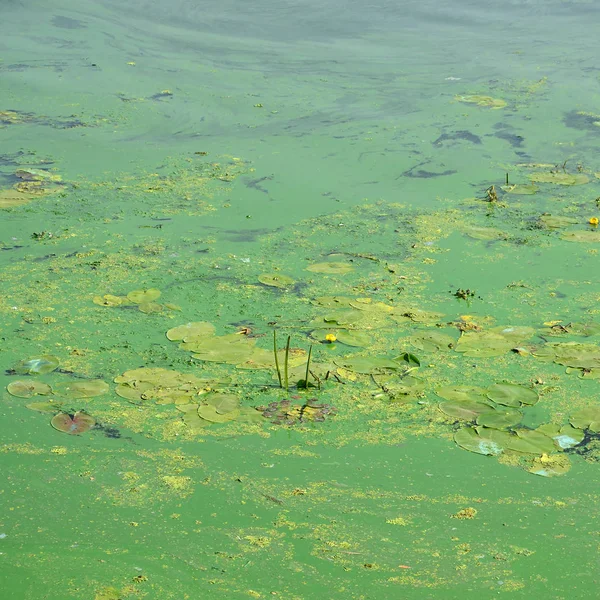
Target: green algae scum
299, 300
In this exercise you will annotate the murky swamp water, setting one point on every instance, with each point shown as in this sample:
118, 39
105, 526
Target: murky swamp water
408, 194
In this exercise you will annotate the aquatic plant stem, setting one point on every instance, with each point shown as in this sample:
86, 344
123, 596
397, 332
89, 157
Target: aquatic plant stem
285, 366
276, 359
307, 367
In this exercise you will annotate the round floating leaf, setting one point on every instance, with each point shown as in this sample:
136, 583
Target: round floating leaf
550, 465
400, 389
559, 178
479, 100
572, 354
133, 392
432, 340
209, 413
467, 410
191, 331
73, 424
150, 307
331, 268
249, 415
142, 296
530, 441
484, 233
588, 237
222, 403
500, 419
462, 393
564, 437
28, 388
37, 365
45, 407
520, 189
356, 339
482, 440
510, 394
233, 349
276, 280
587, 418
367, 364
81, 389
557, 222
110, 300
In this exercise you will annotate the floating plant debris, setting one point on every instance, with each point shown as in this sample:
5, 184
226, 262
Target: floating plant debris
37, 365
559, 178
479, 100
75, 424
484, 233
290, 412
28, 388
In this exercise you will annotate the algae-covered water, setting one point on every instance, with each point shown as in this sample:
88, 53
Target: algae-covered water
299, 300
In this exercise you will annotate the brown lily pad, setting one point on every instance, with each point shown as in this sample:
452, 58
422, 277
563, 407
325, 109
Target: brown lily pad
73, 424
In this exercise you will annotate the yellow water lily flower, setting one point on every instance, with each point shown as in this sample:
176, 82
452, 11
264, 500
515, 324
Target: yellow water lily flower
330, 337
594, 221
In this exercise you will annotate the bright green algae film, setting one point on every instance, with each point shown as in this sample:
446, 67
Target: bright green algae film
298, 306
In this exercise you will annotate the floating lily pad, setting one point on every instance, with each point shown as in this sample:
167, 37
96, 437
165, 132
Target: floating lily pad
587, 418
142, 296
28, 388
510, 394
479, 100
557, 222
564, 437
520, 189
110, 300
493, 342
150, 307
559, 178
11, 198
209, 413
398, 388
482, 440
550, 465
463, 393
484, 233
331, 268
500, 419
74, 424
571, 354
586, 236
276, 280
530, 441
81, 389
190, 331
37, 365
47, 406
432, 340
222, 403
356, 339
467, 410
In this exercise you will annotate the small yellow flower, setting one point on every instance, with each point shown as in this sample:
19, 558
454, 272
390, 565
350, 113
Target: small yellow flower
330, 337
594, 221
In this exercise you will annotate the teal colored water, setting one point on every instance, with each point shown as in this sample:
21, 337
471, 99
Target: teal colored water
407, 192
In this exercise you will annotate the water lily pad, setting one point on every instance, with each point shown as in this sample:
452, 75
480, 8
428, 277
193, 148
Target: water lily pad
557, 222
484, 233
356, 339
500, 419
73, 424
520, 189
550, 465
559, 178
48, 406
11, 198
28, 388
150, 307
493, 342
81, 389
232, 349
37, 365
463, 393
209, 413
331, 268
479, 100
110, 300
564, 437
276, 280
571, 354
585, 236
530, 441
142, 296
432, 340
190, 331
587, 418
37, 175
222, 403
398, 388
482, 440
468, 410
510, 394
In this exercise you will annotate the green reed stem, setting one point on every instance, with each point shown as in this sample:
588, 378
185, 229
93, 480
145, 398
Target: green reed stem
285, 366
307, 367
276, 359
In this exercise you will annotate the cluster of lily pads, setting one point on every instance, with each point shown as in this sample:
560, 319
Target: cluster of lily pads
495, 415
578, 357
67, 422
143, 300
